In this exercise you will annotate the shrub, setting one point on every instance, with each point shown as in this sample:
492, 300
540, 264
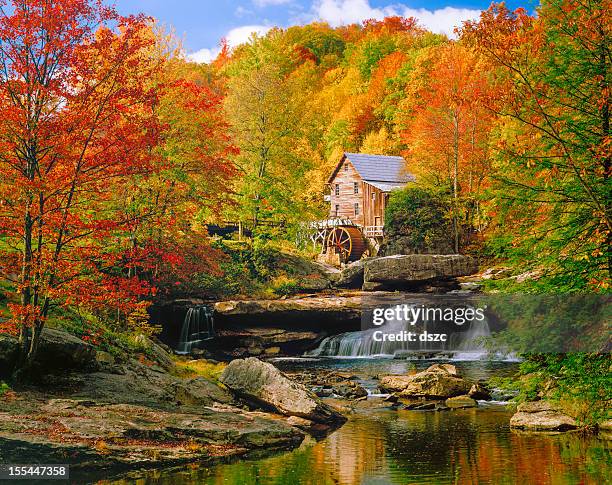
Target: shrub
284, 286
4, 387
416, 222
199, 368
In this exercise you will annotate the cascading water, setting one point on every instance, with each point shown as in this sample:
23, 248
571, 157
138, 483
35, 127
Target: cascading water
471, 345
465, 345
198, 326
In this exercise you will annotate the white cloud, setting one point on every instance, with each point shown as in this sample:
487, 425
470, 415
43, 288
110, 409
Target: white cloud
444, 20
235, 37
341, 12
241, 35
204, 56
242, 12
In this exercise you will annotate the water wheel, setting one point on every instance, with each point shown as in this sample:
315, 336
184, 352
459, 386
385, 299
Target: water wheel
347, 242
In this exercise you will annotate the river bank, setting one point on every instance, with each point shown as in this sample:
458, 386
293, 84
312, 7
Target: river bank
381, 443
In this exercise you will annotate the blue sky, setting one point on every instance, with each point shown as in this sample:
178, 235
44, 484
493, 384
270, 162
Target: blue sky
202, 23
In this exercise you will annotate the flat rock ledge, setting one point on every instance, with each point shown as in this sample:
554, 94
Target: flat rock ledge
414, 269
341, 306
541, 416
123, 436
264, 386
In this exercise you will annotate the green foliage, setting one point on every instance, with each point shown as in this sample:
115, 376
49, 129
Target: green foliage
580, 382
4, 387
419, 217
370, 52
284, 286
199, 368
258, 267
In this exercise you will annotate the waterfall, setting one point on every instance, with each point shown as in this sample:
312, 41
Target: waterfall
466, 345
471, 346
198, 326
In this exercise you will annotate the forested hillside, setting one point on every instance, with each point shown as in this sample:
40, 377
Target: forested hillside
116, 152
509, 123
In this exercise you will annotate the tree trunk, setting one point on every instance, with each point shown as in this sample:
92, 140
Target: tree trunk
455, 180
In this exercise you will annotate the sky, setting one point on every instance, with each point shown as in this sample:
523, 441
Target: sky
201, 24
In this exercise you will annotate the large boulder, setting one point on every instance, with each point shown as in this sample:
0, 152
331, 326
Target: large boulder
263, 385
59, 350
440, 381
99, 435
351, 275
416, 269
156, 352
541, 416
8, 354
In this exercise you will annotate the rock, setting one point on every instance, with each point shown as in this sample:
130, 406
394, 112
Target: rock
59, 350
479, 392
200, 392
443, 368
605, 425
9, 350
470, 286
323, 391
495, 273
156, 352
459, 402
416, 269
104, 358
262, 384
528, 275
434, 383
541, 416
134, 382
350, 390
275, 311
104, 435
351, 275
419, 405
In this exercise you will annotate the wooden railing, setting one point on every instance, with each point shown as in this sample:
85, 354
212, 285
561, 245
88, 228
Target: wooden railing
373, 231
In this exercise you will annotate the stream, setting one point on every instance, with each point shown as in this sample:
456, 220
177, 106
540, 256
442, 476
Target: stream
383, 446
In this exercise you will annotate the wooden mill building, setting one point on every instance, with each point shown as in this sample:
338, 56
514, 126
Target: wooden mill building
360, 186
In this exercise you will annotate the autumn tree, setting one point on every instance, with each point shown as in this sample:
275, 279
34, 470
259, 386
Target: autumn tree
555, 150
446, 125
264, 106
76, 119
189, 184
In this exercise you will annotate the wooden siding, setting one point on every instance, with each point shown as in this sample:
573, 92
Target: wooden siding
370, 207
374, 202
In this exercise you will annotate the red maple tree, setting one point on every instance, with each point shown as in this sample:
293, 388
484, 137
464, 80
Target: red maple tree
76, 119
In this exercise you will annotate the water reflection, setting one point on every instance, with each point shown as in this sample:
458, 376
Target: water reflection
472, 446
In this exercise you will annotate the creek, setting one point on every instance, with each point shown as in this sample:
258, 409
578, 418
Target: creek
384, 446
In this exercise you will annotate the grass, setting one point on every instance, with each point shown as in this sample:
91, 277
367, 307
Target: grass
199, 368
4, 388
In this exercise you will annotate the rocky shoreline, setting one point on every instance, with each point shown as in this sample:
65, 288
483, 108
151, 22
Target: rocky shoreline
98, 411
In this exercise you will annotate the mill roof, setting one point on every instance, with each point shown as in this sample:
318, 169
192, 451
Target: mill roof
381, 170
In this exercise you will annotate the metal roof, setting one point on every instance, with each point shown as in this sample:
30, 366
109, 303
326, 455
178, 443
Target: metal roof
378, 168
386, 186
